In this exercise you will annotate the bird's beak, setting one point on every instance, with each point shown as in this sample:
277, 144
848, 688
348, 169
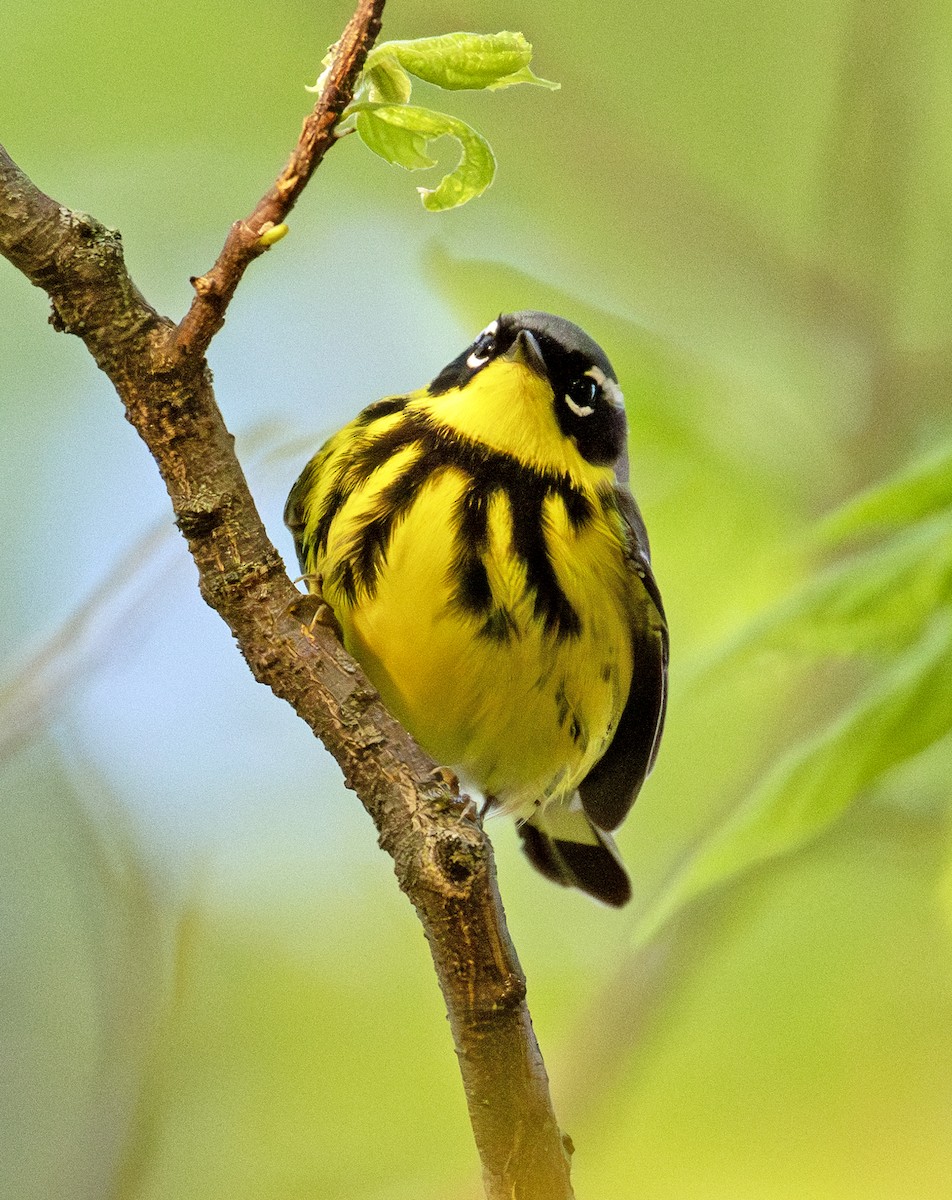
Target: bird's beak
526, 350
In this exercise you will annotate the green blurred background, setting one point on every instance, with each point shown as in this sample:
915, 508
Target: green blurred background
211, 986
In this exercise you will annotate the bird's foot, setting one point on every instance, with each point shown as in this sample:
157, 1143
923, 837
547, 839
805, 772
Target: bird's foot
448, 778
312, 609
488, 804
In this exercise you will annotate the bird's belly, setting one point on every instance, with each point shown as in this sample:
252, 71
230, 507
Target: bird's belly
522, 714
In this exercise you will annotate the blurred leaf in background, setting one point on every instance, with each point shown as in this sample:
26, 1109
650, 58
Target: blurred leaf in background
211, 985
872, 605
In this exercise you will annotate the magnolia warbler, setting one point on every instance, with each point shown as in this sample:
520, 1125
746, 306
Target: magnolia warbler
488, 567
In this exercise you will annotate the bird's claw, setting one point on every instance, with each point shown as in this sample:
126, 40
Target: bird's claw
312, 609
448, 778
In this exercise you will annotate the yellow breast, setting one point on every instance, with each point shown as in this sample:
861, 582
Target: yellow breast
491, 610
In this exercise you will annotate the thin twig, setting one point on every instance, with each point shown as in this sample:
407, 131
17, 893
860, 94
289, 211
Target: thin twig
44, 679
441, 857
214, 289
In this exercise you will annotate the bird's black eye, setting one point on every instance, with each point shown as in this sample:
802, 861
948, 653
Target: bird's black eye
580, 395
483, 349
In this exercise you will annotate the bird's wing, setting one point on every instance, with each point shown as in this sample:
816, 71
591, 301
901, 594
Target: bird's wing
294, 513
613, 784
308, 491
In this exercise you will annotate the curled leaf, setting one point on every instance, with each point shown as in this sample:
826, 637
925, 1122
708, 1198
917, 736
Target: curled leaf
400, 134
395, 144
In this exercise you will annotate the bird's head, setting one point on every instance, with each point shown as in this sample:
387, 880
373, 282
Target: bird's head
532, 365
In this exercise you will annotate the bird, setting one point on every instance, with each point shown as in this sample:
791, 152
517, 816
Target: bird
485, 562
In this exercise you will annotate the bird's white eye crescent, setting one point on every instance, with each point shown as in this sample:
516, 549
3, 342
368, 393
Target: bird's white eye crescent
580, 410
581, 394
483, 347
609, 388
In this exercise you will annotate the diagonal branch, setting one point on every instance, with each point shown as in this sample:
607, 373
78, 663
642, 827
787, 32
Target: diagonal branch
442, 859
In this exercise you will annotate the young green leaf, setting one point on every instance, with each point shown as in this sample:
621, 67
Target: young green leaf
403, 147
458, 61
387, 81
523, 75
400, 134
905, 713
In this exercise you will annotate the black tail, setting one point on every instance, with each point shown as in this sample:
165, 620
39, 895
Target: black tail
567, 848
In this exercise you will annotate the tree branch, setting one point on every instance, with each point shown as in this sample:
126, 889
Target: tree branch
442, 859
